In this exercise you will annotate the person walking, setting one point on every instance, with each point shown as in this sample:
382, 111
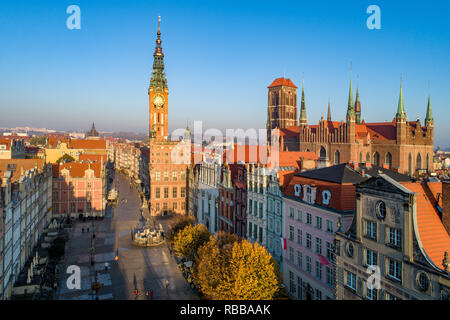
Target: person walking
151, 294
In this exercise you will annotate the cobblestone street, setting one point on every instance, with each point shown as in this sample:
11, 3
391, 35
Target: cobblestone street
137, 268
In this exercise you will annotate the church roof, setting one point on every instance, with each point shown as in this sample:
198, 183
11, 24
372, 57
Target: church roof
282, 82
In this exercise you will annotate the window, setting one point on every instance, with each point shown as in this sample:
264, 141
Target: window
157, 193
300, 288
329, 226
318, 294
165, 206
395, 237
371, 294
390, 296
330, 276
299, 237
371, 229
183, 192
291, 213
308, 218
291, 254
250, 205
380, 208
166, 193
291, 233
291, 282
318, 246
182, 175
319, 222
174, 176
260, 235
174, 206
329, 251
308, 240
299, 259
174, 192
157, 176
166, 176
308, 264
395, 269
423, 281
89, 185
371, 258
350, 280
250, 229
299, 215
318, 270
260, 210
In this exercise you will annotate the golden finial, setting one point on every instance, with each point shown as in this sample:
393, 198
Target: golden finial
159, 21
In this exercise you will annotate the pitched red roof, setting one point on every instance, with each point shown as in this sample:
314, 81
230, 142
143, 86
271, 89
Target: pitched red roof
77, 169
282, 82
87, 144
92, 157
16, 165
432, 233
6, 142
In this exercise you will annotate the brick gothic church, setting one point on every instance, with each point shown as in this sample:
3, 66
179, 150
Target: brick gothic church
405, 146
167, 178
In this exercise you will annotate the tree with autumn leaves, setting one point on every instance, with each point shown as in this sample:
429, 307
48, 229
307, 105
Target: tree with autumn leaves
227, 269
186, 241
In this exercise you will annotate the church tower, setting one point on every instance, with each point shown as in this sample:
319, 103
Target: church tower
158, 94
400, 119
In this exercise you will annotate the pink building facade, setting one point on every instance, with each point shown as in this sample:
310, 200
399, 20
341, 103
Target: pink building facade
79, 189
316, 204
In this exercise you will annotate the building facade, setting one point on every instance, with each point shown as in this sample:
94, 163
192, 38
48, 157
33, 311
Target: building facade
25, 201
401, 230
316, 204
79, 189
168, 159
405, 146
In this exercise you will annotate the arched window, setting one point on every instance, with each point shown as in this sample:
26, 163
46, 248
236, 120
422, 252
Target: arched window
410, 164
419, 162
376, 159
323, 152
388, 159
360, 157
368, 157
337, 157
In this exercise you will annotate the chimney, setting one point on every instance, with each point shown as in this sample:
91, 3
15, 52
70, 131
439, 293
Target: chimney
446, 205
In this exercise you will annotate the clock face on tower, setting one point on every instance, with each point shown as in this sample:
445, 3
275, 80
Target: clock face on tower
158, 101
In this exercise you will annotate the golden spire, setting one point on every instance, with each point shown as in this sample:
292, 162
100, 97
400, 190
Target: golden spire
159, 22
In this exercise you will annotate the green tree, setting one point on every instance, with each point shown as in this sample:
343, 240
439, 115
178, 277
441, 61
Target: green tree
188, 240
65, 158
178, 224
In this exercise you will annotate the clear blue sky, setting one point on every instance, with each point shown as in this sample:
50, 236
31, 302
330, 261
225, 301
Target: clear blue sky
220, 57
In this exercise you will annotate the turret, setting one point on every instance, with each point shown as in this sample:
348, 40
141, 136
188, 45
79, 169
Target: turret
400, 119
303, 121
357, 107
429, 121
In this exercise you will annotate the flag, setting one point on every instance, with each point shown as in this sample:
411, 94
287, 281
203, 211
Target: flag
283, 243
323, 260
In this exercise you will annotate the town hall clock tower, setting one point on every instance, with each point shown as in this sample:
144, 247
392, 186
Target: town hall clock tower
158, 93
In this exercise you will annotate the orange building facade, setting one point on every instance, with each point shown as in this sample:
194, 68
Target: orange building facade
401, 145
167, 175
